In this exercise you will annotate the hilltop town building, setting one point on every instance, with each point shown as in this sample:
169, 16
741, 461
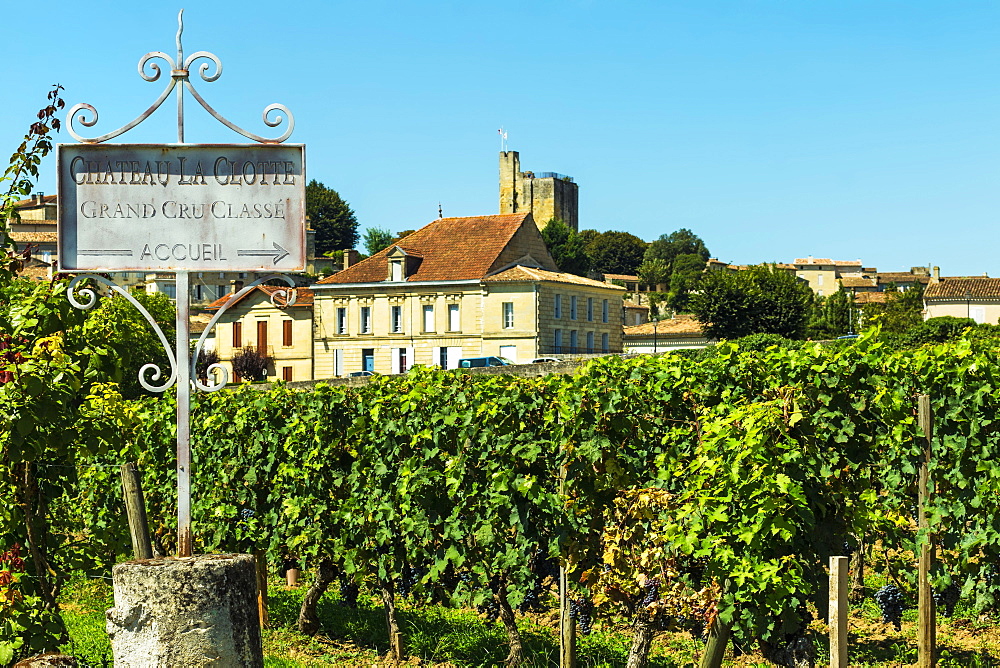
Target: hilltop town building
545, 195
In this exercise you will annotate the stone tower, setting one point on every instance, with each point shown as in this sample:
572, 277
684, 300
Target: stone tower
546, 195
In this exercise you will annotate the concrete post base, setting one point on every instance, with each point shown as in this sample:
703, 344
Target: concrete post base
187, 611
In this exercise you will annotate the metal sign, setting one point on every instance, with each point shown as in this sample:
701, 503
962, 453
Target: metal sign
203, 207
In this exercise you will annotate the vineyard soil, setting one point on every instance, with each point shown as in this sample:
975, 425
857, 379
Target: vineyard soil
446, 638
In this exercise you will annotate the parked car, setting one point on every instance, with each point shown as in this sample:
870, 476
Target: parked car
472, 362
545, 360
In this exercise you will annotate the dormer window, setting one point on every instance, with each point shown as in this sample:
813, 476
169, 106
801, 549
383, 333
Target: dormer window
402, 264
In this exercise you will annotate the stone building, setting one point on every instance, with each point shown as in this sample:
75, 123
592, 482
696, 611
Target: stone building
459, 288
976, 297
282, 334
545, 195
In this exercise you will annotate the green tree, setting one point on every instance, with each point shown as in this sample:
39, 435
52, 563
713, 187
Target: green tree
653, 272
685, 276
377, 239
334, 221
681, 242
832, 316
566, 247
902, 309
760, 300
616, 253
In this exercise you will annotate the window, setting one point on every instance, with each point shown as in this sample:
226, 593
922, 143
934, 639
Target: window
573, 342
170, 290
454, 324
572, 308
604, 342
338, 362
443, 357
237, 334
397, 319
341, 320
590, 309
558, 307
262, 337
604, 311
557, 341
286, 373
590, 342
396, 270
819, 279
508, 315
402, 361
286, 333
428, 318
366, 319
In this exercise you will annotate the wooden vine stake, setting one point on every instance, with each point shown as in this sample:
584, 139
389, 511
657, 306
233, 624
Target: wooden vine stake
926, 621
135, 509
839, 588
567, 627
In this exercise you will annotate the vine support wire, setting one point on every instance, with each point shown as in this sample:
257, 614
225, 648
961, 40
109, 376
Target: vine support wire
183, 374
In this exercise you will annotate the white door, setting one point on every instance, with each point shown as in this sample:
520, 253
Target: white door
510, 352
978, 313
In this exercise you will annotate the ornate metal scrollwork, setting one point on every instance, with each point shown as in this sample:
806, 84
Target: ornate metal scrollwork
90, 299
180, 68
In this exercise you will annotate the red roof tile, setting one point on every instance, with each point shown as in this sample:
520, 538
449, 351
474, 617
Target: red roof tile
303, 297
963, 288
680, 324
520, 273
453, 249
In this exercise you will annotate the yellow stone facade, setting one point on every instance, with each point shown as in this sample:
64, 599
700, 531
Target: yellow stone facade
255, 315
439, 324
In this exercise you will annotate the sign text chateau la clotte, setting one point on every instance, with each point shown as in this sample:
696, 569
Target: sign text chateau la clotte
198, 207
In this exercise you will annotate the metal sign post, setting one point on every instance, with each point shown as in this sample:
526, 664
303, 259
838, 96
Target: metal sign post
181, 207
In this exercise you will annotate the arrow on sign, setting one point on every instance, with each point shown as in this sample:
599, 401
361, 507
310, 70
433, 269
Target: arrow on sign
279, 253
104, 252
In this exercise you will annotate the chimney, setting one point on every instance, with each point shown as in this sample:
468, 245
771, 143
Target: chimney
237, 285
936, 275
350, 257
39, 197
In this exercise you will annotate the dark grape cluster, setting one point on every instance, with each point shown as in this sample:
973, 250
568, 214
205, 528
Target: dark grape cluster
246, 513
489, 608
947, 599
348, 592
409, 579
651, 591
581, 610
542, 567
890, 602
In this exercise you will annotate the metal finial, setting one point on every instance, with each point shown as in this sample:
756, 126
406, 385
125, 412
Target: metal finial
440, 211
180, 31
274, 115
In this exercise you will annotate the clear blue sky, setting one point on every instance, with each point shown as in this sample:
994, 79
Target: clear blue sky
774, 129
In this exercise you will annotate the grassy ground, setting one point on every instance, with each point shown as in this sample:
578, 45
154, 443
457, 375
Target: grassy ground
445, 637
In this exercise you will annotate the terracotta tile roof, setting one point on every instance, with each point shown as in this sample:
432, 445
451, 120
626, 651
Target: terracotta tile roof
631, 304
520, 273
620, 277
680, 324
453, 249
954, 287
28, 203
303, 297
901, 277
858, 282
870, 298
